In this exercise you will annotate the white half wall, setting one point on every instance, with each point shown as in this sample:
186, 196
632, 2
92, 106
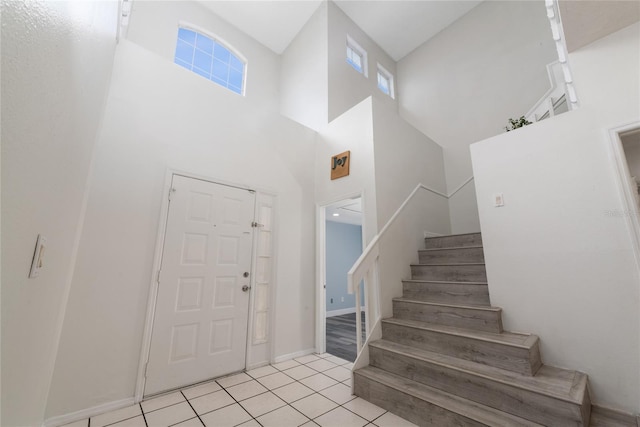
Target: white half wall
462, 85
161, 116
559, 263
56, 64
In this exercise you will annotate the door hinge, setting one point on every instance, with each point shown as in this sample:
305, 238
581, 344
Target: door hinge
256, 224
146, 366
171, 191
251, 191
158, 276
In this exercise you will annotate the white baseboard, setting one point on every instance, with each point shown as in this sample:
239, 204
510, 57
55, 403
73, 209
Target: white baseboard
61, 420
290, 356
340, 312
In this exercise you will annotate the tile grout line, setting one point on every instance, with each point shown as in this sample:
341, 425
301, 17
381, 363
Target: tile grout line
271, 390
144, 418
192, 408
235, 400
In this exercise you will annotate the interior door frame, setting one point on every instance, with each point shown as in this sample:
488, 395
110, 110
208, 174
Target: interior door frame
157, 263
321, 263
623, 182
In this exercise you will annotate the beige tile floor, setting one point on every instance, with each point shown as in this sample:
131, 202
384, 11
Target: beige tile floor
313, 390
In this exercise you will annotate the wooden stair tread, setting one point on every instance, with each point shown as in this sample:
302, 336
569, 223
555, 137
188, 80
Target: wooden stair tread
467, 408
450, 248
558, 383
451, 264
443, 282
505, 338
439, 304
454, 235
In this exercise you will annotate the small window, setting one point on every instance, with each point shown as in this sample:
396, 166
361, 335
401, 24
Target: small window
385, 81
211, 59
356, 56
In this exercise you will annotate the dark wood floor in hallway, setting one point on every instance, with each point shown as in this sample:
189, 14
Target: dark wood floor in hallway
341, 336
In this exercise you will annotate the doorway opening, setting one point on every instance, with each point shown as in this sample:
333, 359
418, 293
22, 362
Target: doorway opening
343, 245
631, 147
625, 154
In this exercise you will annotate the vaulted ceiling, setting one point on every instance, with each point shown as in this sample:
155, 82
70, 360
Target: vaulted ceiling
397, 26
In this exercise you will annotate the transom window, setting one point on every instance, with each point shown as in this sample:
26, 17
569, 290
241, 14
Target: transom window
356, 56
211, 59
385, 81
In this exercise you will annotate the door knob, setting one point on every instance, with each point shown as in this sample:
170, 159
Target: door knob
245, 288
246, 274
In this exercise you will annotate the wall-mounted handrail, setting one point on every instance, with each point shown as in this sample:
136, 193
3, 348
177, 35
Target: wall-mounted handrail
366, 269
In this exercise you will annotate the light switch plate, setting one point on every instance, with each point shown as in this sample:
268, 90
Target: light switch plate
498, 200
38, 256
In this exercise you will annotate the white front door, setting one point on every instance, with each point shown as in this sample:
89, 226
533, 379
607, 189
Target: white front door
201, 316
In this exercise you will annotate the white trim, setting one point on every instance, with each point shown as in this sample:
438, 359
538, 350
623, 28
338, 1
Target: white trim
290, 356
321, 270
460, 187
157, 262
557, 32
340, 312
624, 184
88, 413
153, 289
274, 275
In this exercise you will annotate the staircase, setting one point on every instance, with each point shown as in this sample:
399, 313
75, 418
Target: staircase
445, 360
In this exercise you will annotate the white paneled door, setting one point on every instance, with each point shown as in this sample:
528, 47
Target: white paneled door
201, 316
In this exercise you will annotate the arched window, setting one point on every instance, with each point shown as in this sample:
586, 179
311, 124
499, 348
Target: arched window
208, 57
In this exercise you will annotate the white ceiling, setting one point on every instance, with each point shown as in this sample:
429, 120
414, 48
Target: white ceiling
349, 211
397, 26
400, 26
274, 23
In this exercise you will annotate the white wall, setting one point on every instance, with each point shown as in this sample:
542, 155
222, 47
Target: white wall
304, 74
404, 158
154, 25
557, 262
462, 85
160, 115
56, 65
351, 131
347, 87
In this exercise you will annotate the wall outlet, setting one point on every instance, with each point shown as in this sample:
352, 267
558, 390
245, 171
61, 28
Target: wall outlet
498, 200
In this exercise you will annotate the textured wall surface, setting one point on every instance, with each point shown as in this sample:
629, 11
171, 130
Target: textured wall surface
56, 64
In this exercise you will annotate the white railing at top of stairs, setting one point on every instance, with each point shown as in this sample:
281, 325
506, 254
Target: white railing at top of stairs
366, 269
